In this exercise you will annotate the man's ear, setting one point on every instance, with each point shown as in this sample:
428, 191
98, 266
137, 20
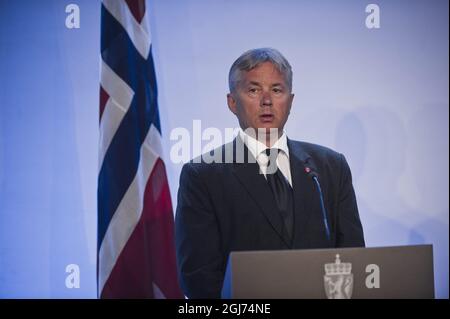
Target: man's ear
231, 103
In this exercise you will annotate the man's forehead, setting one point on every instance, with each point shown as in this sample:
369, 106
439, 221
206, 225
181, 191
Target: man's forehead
266, 75
264, 68
263, 82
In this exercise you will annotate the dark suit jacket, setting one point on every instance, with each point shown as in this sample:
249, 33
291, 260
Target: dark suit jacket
225, 207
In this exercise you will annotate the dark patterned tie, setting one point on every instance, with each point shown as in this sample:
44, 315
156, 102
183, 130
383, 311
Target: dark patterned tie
282, 192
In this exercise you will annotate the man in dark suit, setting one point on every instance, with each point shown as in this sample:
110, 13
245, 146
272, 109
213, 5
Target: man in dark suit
262, 191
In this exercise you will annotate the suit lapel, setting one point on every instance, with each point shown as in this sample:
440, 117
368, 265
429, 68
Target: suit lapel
256, 185
303, 188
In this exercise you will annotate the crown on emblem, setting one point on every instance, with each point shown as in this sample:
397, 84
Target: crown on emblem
338, 268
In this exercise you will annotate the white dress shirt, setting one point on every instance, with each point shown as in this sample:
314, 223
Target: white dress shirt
258, 151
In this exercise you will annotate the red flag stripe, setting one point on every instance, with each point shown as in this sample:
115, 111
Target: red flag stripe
137, 8
103, 99
152, 242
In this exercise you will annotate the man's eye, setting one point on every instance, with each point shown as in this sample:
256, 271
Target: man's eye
253, 90
277, 90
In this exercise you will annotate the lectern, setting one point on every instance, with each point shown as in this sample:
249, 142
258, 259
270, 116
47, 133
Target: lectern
342, 273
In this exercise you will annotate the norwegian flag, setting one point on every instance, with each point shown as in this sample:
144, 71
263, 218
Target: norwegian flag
136, 251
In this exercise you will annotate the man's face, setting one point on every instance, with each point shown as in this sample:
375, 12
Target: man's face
261, 99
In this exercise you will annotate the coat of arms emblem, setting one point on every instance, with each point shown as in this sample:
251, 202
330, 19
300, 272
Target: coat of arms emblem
338, 280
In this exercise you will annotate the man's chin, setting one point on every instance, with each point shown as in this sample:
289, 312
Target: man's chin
264, 131
268, 129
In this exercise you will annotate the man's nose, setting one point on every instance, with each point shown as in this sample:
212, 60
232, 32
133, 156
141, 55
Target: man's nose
266, 99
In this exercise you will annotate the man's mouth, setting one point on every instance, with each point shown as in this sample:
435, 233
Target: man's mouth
266, 118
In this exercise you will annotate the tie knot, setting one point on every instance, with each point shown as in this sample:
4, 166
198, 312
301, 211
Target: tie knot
272, 152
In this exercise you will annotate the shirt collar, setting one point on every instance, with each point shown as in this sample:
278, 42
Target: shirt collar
256, 147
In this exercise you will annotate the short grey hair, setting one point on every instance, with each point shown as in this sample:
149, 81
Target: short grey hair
253, 58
